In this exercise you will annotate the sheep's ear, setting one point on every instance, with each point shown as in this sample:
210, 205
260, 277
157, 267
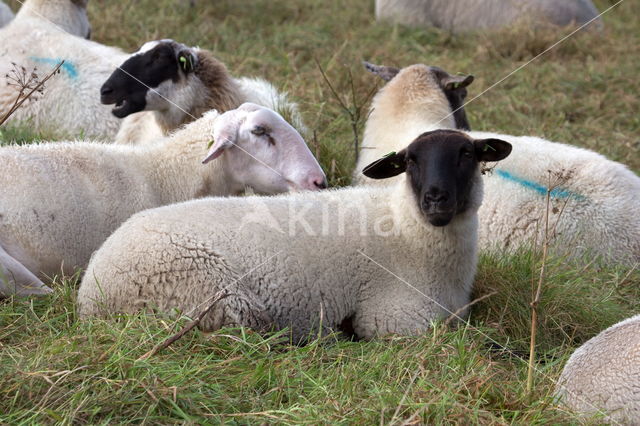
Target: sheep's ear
385, 73
453, 82
225, 134
492, 149
187, 60
388, 166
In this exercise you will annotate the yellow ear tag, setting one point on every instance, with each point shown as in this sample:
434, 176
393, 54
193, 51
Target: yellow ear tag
183, 61
210, 144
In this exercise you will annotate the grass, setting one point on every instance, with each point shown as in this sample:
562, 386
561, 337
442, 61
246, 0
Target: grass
54, 368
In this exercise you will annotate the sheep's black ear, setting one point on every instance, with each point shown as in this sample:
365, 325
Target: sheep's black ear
492, 149
451, 82
385, 73
388, 166
187, 60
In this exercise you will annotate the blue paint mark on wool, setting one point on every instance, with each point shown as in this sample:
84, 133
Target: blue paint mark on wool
67, 67
540, 189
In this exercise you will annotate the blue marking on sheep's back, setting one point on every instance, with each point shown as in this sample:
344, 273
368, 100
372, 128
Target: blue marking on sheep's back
67, 67
540, 189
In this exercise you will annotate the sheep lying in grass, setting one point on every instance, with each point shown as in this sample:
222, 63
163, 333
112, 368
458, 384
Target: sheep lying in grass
6, 14
436, 94
59, 202
603, 375
591, 196
36, 38
469, 15
285, 267
175, 84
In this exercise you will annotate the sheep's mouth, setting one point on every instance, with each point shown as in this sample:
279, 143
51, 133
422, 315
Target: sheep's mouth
119, 106
126, 106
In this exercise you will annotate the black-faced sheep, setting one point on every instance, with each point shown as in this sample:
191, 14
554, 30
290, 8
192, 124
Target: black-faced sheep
591, 197
314, 259
169, 84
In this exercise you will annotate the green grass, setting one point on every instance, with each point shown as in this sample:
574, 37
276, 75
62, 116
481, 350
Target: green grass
54, 368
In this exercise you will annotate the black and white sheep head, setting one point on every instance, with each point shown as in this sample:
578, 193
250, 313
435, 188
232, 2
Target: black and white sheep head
151, 79
442, 169
430, 79
264, 152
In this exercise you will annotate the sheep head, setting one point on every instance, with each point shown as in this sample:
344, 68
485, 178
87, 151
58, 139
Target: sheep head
261, 150
442, 170
149, 78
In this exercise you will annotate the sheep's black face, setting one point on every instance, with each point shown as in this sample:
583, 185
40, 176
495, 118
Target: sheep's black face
129, 85
440, 166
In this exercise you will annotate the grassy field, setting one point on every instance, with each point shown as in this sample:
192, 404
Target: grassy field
54, 368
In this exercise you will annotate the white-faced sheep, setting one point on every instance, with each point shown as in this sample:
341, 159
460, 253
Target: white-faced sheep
471, 15
311, 259
59, 202
435, 95
603, 375
6, 14
591, 196
169, 84
43, 33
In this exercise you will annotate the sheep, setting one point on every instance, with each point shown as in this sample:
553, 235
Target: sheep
284, 267
42, 34
169, 84
603, 375
434, 94
472, 15
6, 14
591, 195
68, 15
60, 201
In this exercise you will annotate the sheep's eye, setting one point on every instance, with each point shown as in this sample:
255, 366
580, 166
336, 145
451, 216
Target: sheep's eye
259, 131
467, 154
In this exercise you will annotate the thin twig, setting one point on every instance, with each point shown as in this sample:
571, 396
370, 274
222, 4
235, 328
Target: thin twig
355, 115
536, 297
170, 340
19, 101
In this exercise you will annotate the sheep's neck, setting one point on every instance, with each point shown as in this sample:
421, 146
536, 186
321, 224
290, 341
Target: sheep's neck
209, 87
176, 171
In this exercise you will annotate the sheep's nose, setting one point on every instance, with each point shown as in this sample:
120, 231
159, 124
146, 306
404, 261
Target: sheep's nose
320, 183
105, 90
436, 195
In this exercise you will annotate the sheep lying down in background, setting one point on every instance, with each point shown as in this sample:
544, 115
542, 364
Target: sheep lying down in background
59, 202
591, 196
310, 259
603, 375
43, 33
166, 84
6, 14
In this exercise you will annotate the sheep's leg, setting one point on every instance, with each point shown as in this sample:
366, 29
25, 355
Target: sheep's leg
18, 280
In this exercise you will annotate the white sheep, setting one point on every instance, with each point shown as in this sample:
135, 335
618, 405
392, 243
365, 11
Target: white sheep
166, 84
43, 33
471, 15
591, 196
310, 259
603, 375
416, 100
6, 14
59, 202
